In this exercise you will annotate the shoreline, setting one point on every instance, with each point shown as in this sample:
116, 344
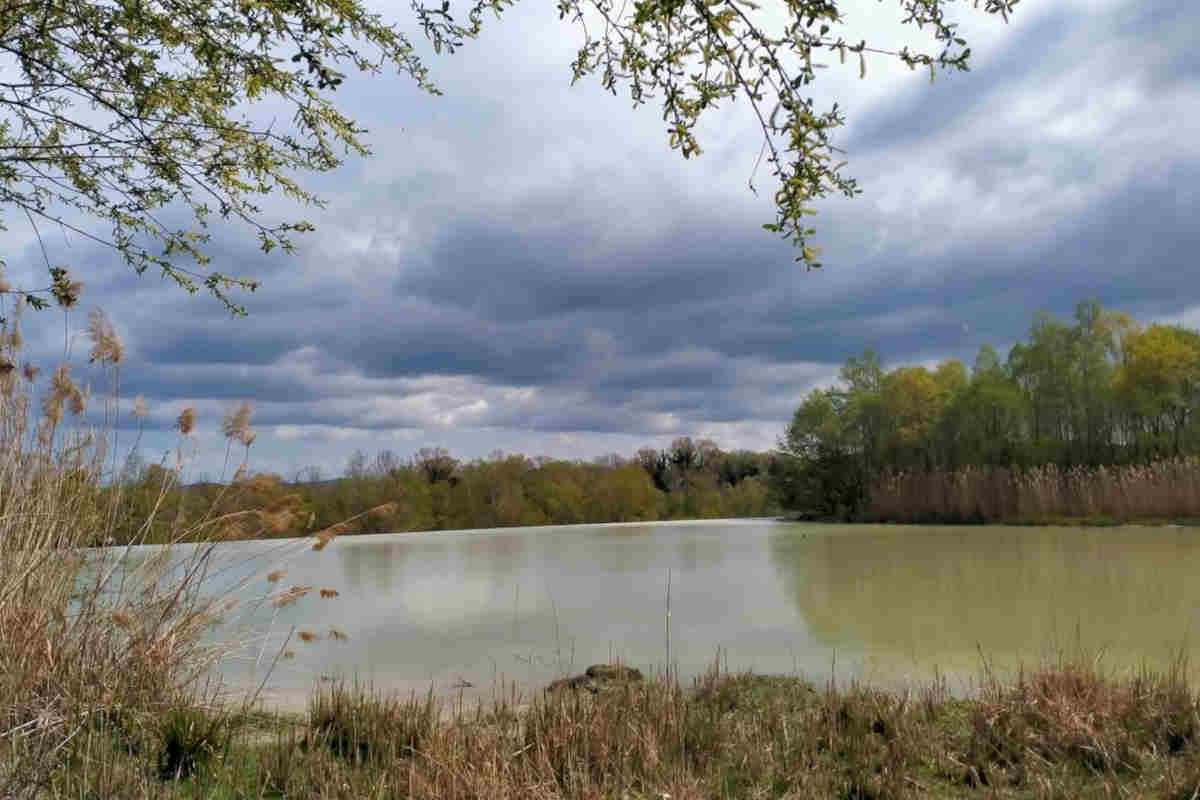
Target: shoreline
1064, 728
1032, 522
800, 517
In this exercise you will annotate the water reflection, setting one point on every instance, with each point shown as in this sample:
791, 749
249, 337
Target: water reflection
526, 604
943, 594
876, 602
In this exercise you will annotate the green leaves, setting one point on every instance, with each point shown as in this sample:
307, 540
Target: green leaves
124, 110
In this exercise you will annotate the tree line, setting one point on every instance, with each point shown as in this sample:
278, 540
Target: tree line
1060, 428
433, 490
1103, 391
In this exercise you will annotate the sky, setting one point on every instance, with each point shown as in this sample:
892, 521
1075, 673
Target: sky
524, 265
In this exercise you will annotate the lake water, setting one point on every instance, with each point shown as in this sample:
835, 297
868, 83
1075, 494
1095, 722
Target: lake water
883, 604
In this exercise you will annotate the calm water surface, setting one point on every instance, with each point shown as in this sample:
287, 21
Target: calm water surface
886, 604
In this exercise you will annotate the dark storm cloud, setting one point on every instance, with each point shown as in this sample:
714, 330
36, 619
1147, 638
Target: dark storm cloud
934, 109
1149, 38
507, 269
488, 317
510, 274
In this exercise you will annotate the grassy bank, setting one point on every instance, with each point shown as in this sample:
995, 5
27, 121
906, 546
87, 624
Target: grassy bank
1063, 730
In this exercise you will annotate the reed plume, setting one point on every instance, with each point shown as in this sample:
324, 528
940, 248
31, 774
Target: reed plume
236, 425
291, 595
14, 339
107, 345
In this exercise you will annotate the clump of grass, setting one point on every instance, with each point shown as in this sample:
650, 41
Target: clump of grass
362, 725
189, 739
1066, 729
1071, 713
1062, 730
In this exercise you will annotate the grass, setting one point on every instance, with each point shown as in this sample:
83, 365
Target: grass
1165, 491
103, 659
1066, 729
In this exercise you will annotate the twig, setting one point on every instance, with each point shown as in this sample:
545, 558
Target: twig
668, 622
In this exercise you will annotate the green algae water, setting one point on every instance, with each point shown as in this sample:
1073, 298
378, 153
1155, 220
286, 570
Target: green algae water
470, 611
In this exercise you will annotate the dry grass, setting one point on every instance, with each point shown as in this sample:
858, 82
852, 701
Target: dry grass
1168, 489
96, 646
1073, 714
1062, 730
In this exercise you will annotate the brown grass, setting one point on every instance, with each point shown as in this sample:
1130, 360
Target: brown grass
291, 595
98, 647
1063, 730
1072, 713
1168, 489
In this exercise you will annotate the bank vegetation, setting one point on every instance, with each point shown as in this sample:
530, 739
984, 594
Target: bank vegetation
1096, 420
432, 490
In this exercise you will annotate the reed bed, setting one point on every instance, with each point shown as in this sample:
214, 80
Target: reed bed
99, 652
1163, 490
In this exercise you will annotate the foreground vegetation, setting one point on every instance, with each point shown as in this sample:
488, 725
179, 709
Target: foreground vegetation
1064, 730
90, 643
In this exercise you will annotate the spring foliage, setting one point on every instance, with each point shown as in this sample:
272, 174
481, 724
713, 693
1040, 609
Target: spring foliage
1106, 391
434, 491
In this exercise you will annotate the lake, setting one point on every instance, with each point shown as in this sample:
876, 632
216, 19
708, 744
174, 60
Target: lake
881, 604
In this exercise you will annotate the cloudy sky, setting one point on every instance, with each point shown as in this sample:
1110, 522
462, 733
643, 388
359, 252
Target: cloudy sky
525, 265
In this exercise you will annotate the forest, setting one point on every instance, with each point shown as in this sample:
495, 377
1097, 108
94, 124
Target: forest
1091, 418
432, 490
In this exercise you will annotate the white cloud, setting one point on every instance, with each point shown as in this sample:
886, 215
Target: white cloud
320, 433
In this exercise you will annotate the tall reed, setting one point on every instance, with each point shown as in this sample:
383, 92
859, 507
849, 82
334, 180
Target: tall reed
90, 636
1167, 489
